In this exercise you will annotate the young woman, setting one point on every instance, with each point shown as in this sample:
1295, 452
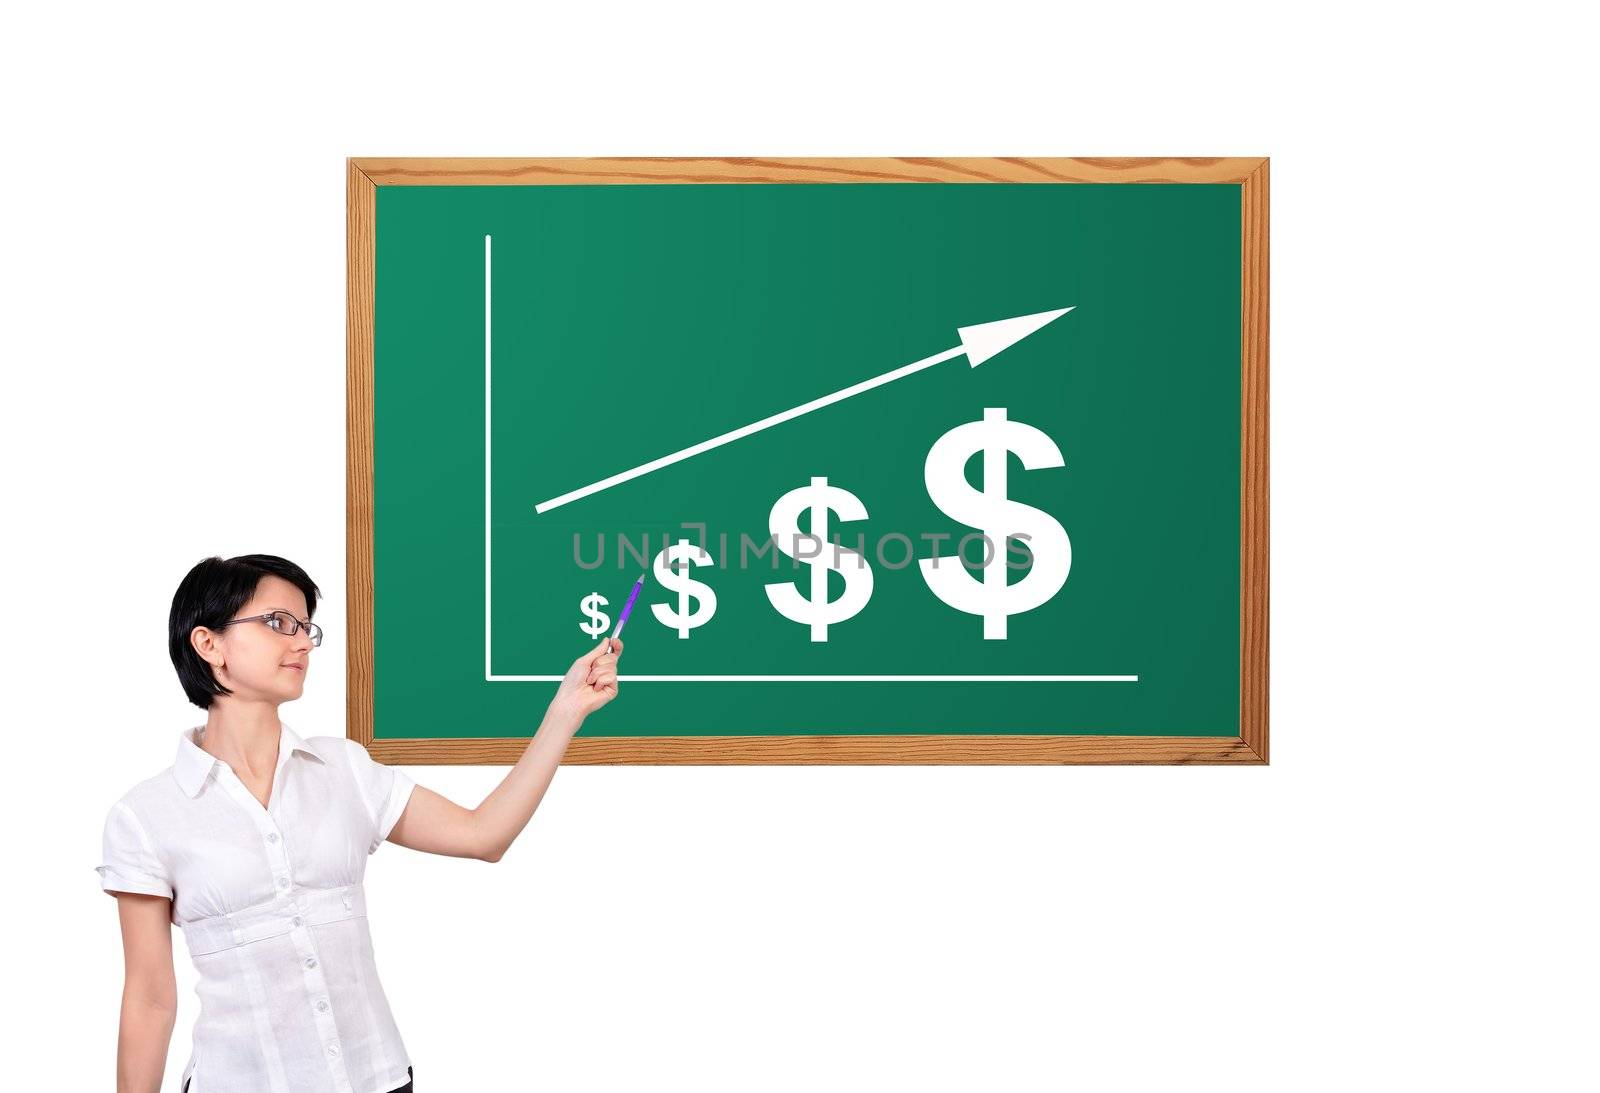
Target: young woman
255, 843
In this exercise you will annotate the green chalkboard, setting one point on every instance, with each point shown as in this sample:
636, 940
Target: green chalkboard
564, 377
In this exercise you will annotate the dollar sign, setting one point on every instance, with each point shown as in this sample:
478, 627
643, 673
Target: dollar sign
598, 619
682, 620
945, 475
784, 522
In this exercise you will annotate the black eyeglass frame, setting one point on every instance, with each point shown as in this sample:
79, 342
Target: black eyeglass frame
311, 628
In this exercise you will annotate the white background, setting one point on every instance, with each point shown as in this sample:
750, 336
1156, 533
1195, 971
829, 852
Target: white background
1400, 901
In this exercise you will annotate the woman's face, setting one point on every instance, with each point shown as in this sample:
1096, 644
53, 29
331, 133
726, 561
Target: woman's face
254, 661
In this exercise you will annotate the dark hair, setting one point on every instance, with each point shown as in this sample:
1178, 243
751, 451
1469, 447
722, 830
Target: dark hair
212, 593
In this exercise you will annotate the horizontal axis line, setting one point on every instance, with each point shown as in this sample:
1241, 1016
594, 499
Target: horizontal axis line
831, 679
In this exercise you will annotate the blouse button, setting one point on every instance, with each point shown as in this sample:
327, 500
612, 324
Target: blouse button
283, 881
311, 962
322, 1006
333, 1049
272, 836
295, 920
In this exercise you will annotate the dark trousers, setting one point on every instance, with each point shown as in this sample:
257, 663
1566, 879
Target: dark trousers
402, 1089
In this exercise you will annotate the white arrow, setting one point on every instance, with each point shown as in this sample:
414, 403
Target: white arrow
978, 344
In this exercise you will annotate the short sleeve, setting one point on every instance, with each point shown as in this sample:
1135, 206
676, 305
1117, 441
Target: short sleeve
129, 861
384, 790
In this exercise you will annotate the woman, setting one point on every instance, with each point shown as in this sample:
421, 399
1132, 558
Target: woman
255, 843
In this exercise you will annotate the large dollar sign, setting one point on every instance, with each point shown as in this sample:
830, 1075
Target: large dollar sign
784, 522
679, 581
945, 475
598, 619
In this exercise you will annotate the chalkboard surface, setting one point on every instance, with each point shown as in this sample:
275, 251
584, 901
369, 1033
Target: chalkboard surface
808, 412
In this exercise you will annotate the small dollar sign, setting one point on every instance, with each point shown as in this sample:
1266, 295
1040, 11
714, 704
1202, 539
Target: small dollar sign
989, 510
679, 581
784, 522
598, 619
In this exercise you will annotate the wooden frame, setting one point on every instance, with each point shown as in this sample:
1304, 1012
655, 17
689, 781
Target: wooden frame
364, 175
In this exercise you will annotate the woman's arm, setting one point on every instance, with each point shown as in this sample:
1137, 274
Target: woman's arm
438, 825
149, 992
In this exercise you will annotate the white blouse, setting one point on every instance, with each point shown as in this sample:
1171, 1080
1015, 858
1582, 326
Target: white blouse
272, 907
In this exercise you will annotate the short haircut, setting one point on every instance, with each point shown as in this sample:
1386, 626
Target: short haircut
212, 593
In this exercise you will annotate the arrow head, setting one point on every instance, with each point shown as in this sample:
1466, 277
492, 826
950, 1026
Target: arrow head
987, 339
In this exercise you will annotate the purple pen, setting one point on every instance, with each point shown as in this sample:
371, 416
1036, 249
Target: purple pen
627, 607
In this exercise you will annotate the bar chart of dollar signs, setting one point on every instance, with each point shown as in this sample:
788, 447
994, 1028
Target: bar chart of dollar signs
890, 458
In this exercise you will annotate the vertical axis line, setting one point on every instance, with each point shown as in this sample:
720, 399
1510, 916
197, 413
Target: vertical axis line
488, 492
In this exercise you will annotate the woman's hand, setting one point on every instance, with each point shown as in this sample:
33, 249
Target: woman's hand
591, 682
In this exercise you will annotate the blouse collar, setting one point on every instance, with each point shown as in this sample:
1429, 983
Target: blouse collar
194, 762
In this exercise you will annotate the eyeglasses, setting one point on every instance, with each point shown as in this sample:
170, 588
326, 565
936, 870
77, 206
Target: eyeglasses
283, 623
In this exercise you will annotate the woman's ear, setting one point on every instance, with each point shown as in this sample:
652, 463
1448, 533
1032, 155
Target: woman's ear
206, 643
